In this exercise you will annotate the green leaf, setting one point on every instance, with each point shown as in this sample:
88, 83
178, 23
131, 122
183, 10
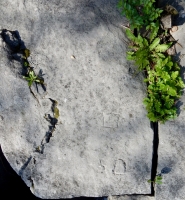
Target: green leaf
174, 74
172, 92
26, 64
158, 178
176, 66
152, 117
162, 47
139, 40
145, 101
161, 55
27, 78
145, 42
154, 31
159, 182
130, 52
30, 83
154, 43
169, 103
170, 64
130, 35
130, 55
120, 4
157, 106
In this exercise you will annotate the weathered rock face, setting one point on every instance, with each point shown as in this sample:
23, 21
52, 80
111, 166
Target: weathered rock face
102, 143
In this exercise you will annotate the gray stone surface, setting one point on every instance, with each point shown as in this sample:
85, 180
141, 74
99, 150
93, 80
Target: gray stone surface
103, 143
171, 157
131, 197
166, 21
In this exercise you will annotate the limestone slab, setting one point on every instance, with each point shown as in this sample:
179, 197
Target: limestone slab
103, 142
171, 159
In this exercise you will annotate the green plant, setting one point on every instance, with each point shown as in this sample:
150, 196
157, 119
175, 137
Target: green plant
31, 78
164, 88
139, 12
145, 51
148, 51
158, 180
163, 80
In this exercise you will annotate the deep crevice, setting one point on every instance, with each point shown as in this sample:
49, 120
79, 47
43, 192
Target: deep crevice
155, 128
53, 122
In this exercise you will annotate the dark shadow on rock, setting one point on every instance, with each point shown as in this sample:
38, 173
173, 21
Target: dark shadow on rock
80, 17
13, 40
24, 166
49, 134
178, 106
40, 76
11, 184
182, 72
90, 14
15, 47
166, 170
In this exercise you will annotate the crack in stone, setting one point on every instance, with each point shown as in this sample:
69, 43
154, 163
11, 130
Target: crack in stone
16, 50
53, 122
154, 126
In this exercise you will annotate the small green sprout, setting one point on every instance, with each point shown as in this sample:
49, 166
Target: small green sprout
31, 78
26, 64
158, 180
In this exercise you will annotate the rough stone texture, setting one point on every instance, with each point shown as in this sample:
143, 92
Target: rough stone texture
166, 21
172, 160
171, 157
131, 197
103, 142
